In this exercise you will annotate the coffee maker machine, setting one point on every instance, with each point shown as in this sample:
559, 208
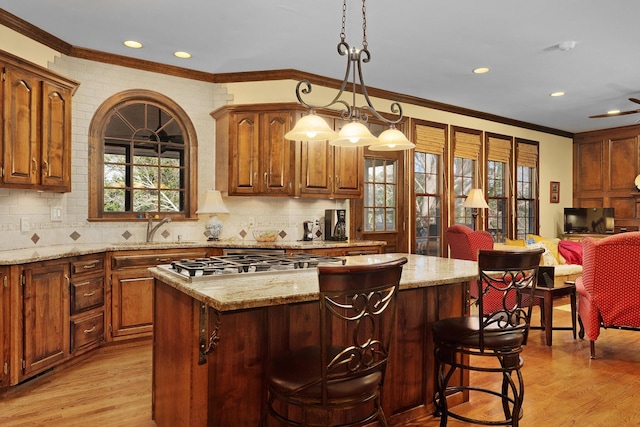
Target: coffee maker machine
335, 224
307, 234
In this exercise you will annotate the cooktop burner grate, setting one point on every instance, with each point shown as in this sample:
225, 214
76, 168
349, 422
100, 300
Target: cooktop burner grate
248, 263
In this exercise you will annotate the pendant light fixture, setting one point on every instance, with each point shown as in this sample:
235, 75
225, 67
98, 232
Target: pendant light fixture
311, 127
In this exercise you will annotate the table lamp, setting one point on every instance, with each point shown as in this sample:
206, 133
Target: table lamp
475, 200
213, 205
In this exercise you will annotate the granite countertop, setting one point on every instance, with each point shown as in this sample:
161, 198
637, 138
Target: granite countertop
43, 253
226, 293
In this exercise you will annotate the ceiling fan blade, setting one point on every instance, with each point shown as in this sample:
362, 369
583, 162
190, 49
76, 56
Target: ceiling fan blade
636, 100
621, 113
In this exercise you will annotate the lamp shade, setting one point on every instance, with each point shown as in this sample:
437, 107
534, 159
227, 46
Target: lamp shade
392, 140
311, 128
354, 134
475, 199
213, 203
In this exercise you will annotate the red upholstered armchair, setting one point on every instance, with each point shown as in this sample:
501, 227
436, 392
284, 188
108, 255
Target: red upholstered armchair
609, 289
464, 243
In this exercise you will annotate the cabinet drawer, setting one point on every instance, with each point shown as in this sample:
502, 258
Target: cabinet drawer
86, 294
87, 265
149, 260
87, 330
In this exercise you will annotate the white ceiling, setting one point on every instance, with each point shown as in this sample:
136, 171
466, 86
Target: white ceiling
422, 48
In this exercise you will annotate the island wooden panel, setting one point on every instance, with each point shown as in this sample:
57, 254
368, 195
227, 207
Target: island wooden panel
232, 380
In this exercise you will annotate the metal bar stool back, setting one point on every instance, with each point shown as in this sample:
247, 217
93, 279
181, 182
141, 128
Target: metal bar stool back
339, 380
463, 343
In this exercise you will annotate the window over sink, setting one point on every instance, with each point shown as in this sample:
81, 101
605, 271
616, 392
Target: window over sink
142, 159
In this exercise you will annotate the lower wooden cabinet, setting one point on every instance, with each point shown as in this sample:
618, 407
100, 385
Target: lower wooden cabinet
86, 303
345, 251
5, 330
45, 310
131, 296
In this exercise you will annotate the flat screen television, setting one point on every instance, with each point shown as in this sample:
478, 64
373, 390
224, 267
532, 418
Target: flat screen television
589, 220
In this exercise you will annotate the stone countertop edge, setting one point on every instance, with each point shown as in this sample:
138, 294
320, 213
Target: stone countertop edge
44, 253
246, 291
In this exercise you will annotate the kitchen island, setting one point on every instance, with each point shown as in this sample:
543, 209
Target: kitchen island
213, 338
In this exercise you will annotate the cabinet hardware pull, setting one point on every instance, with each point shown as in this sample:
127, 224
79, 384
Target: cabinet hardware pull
162, 259
90, 294
88, 266
45, 169
88, 331
35, 165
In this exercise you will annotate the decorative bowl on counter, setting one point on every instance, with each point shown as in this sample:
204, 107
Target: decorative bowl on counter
265, 235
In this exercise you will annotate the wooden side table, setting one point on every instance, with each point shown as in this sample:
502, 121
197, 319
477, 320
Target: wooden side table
548, 295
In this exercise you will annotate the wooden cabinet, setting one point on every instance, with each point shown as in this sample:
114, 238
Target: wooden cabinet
332, 172
252, 155
131, 290
342, 251
86, 303
254, 158
36, 127
45, 332
5, 330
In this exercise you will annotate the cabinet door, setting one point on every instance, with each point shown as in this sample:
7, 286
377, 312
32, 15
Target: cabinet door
4, 328
56, 137
348, 172
316, 162
276, 154
244, 153
46, 316
131, 303
21, 137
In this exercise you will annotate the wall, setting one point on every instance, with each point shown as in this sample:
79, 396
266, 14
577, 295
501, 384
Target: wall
98, 81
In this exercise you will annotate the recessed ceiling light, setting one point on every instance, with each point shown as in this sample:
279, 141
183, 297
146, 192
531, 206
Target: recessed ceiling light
133, 44
613, 111
557, 93
481, 70
183, 55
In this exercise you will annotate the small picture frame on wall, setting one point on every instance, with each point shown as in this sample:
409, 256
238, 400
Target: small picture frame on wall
554, 192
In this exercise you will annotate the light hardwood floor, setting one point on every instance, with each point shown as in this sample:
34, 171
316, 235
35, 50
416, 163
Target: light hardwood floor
112, 388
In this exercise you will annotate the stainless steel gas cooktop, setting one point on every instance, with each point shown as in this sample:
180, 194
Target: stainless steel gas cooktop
247, 263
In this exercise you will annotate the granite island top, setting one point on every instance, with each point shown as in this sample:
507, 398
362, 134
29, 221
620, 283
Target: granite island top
43, 253
252, 290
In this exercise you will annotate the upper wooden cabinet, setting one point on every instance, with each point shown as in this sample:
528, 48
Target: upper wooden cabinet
36, 127
254, 158
252, 155
327, 171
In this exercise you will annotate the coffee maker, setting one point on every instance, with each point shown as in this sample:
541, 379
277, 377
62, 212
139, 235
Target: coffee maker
307, 234
335, 224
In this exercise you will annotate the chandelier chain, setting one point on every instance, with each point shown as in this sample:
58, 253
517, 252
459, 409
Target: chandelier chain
343, 33
364, 26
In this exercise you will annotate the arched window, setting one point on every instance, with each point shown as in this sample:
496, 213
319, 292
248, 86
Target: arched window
142, 158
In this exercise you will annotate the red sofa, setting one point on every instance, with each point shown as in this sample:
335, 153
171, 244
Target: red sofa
608, 292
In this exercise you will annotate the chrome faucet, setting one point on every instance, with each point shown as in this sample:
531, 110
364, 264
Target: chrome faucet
151, 229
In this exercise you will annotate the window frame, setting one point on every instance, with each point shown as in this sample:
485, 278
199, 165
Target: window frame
96, 155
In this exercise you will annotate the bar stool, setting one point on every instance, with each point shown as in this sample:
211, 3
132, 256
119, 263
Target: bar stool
502, 333
330, 382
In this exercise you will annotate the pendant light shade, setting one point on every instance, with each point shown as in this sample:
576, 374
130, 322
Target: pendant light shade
354, 134
311, 128
392, 140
